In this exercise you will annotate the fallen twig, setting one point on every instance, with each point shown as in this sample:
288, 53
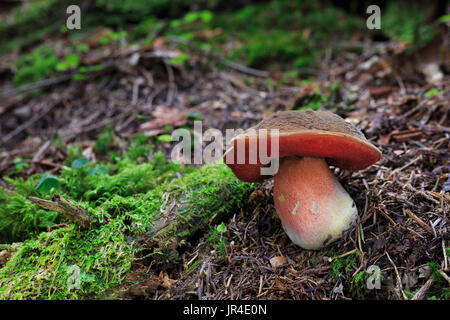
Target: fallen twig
423, 290
399, 281
36, 85
66, 208
419, 221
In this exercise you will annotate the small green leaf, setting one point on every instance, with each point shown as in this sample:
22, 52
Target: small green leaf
72, 60
82, 47
191, 17
103, 40
78, 77
98, 170
445, 18
206, 16
61, 66
175, 23
194, 115
47, 183
431, 93
140, 116
222, 228
180, 60
79, 163
165, 138
97, 67
187, 35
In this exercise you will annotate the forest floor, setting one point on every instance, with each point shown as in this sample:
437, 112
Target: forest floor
398, 99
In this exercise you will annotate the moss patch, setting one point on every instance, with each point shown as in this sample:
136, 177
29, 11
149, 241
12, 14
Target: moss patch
132, 202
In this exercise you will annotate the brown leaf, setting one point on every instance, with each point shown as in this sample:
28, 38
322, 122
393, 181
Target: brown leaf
165, 116
381, 91
384, 139
255, 194
158, 42
278, 261
166, 282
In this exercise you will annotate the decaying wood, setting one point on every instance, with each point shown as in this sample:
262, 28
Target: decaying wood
423, 290
66, 208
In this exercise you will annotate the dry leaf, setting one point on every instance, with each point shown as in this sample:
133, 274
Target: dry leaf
165, 116
166, 282
278, 261
381, 91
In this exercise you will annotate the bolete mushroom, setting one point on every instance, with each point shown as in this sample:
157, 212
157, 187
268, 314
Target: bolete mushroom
313, 206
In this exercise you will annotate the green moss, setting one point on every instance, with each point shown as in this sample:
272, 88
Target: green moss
283, 31
204, 196
39, 270
36, 65
29, 23
345, 265
139, 9
261, 47
20, 219
406, 21
129, 202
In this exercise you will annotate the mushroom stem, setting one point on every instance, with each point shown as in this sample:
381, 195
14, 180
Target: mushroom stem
313, 206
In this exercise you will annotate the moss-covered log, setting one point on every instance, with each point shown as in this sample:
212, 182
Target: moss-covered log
149, 223
200, 200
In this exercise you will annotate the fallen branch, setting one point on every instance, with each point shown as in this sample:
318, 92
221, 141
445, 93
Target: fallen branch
36, 85
423, 290
66, 208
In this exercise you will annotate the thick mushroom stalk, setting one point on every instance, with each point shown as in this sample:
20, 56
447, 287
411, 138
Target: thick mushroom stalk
313, 206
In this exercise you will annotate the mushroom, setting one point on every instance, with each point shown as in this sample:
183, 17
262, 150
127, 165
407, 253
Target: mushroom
313, 206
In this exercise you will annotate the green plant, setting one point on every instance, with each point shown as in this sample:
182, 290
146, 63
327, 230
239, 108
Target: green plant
19, 166
180, 60
165, 138
126, 204
147, 28
104, 141
216, 238
406, 21
19, 218
344, 266
47, 183
38, 64
71, 61
263, 46
30, 23
432, 92
204, 16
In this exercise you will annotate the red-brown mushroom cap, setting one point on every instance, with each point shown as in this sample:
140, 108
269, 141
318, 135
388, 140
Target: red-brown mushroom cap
305, 133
